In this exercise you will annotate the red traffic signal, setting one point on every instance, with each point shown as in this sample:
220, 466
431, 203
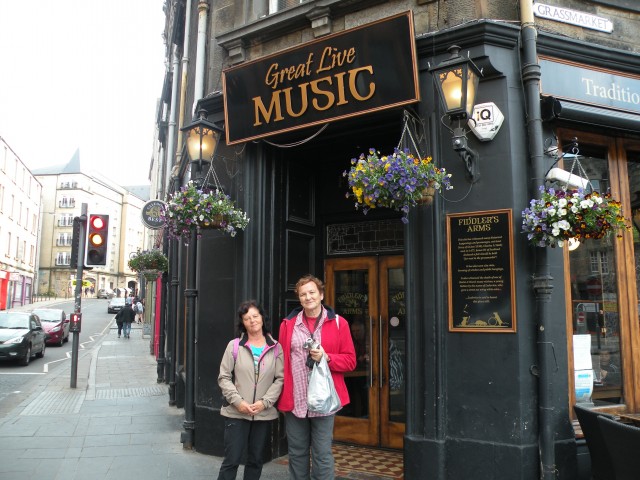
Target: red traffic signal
97, 238
75, 322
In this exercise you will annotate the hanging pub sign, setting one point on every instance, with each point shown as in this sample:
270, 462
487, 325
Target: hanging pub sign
481, 276
355, 72
152, 214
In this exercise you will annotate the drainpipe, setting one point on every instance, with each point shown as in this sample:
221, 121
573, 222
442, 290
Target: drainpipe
191, 291
172, 313
162, 337
542, 279
172, 179
184, 79
172, 119
201, 50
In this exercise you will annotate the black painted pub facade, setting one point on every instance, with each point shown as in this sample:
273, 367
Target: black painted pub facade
470, 374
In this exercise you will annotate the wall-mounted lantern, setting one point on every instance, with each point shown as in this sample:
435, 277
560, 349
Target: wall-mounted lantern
457, 81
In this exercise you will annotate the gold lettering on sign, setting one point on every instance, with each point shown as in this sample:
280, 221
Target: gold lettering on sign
479, 224
332, 58
319, 94
321, 99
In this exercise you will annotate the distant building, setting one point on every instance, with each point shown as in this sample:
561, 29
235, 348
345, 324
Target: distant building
20, 197
64, 189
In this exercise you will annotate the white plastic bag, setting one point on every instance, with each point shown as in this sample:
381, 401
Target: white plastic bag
321, 393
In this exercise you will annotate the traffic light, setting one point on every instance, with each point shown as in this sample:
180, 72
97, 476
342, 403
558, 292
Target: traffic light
95, 254
75, 323
75, 241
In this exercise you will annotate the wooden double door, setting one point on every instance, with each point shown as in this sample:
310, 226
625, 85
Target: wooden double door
369, 293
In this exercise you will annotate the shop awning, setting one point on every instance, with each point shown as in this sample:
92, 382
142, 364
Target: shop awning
559, 109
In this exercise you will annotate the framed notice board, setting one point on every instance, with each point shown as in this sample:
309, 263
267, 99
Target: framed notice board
481, 278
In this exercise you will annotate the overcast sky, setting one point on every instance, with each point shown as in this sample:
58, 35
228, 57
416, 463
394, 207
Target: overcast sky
82, 74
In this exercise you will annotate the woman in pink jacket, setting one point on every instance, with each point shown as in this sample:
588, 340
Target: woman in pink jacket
308, 431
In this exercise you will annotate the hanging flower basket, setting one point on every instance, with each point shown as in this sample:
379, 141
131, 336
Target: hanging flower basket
560, 215
150, 275
194, 206
427, 195
398, 181
149, 260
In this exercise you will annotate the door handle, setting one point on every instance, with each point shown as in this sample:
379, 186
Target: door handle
368, 357
380, 362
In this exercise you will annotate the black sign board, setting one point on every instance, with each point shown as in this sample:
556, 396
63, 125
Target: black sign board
361, 70
481, 282
151, 214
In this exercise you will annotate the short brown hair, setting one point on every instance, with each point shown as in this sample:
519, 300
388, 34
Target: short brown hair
310, 278
242, 311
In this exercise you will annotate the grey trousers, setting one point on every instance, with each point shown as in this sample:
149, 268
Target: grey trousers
313, 434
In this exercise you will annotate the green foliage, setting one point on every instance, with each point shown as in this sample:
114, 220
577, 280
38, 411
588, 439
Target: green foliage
149, 260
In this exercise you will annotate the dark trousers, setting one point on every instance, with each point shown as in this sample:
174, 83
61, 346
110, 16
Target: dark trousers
241, 435
119, 327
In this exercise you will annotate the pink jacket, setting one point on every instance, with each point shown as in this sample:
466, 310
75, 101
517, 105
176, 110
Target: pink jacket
336, 341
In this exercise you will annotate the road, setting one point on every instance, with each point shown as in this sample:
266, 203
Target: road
95, 323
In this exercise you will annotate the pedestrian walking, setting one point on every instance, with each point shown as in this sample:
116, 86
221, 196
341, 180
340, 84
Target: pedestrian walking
126, 316
251, 376
119, 323
138, 308
307, 334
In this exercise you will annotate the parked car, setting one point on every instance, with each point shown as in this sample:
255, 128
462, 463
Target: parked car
115, 305
55, 323
21, 335
105, 293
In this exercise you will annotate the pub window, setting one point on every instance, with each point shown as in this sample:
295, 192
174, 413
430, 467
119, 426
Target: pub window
602, 282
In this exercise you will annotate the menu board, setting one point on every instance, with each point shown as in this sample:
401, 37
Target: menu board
481, 279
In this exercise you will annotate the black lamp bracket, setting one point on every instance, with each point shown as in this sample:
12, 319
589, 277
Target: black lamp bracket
468, 155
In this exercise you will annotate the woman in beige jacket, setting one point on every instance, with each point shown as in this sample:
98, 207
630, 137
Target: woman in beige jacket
251, 377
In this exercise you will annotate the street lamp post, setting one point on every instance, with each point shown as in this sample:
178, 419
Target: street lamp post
202, 138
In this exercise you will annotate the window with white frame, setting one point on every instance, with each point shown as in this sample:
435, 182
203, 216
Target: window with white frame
599, 262
65, 220
63, 258
64, 239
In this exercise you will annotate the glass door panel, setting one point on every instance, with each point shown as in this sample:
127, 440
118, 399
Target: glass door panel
369, 293
594, 297
393, 327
